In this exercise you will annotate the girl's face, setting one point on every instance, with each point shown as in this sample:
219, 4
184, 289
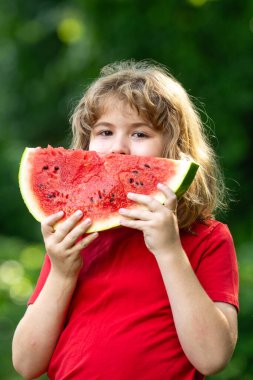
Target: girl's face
120, 129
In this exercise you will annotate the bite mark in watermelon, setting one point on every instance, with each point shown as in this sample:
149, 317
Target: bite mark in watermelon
54, 179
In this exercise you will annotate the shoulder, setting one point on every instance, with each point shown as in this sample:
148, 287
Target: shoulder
209, 229
213, 257
207, 238
217, 235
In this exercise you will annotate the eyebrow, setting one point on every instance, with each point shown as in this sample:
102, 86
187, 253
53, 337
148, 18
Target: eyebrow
134, 125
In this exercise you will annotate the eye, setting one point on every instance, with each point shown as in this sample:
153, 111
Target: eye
105, 132
140, 135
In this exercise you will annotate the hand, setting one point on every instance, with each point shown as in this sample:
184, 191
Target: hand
61, 244
158, 222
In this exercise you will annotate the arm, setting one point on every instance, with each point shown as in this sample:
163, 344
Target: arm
37, 333
207, 331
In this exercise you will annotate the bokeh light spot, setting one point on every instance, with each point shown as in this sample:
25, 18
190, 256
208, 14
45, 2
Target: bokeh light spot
197, 3
21, 290
32, 256
70, 30
11, 272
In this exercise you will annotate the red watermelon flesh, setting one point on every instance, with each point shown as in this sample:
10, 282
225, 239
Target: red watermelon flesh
54, 179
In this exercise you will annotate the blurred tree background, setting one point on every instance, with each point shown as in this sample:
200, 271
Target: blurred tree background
51, 49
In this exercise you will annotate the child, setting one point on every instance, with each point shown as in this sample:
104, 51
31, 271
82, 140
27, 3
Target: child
157, 298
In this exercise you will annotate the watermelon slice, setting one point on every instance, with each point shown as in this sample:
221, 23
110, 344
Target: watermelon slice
54, 179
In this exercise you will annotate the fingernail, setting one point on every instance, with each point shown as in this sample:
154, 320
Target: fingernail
88, 221
78, 213
160, 185
60, 213
122, 210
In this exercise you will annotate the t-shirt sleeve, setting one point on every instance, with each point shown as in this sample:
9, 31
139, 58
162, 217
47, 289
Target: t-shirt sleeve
218, 268
41, 280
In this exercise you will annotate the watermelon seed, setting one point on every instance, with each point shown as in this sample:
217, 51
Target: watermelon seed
141, 183
131, 180
135, 171
137, 183
92, 199
147, 166
99, 194
56, 168
111, 200
52, 195
45, 167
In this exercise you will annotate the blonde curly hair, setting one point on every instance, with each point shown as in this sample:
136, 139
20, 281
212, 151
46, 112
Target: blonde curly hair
158, 97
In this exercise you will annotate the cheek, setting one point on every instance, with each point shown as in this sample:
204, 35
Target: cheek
92, 144
160, 146
149, 149
156, 148
98, 146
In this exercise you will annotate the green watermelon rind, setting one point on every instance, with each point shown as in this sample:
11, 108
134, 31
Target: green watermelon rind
186, 180
179, 184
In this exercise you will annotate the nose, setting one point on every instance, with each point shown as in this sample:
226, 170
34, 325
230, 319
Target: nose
120, 145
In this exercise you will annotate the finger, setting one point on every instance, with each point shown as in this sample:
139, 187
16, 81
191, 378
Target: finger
151, 203
47, 225
136, 224
86, 241
68, 225
171, 198
136, 214
71, 238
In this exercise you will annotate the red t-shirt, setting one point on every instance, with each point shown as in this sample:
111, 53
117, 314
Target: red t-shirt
119, 325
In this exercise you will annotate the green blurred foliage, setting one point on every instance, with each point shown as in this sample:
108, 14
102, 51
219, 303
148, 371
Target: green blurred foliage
50, 51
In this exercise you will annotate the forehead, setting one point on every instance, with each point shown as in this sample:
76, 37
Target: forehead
114, 105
